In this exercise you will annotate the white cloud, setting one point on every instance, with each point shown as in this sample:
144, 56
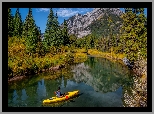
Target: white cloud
84, 9
67, 12
42, 9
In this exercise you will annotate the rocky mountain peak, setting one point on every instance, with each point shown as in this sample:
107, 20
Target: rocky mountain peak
78, 24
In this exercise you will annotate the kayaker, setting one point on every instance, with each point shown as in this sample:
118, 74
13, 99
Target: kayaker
58, 93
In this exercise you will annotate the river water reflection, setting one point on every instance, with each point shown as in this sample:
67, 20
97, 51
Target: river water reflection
101, 83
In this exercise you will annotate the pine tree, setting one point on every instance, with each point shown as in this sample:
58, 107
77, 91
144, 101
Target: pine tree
65, 33
92, 41
49, 36
17, 24
58, 33
72, 39
30, 32
142, 33
134, 35
10, 23
39, 49
53, 33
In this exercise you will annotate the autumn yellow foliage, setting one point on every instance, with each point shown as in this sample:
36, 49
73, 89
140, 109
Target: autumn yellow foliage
20, 62
111, 56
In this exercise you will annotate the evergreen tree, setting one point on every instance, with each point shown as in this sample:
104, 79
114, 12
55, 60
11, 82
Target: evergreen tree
72, 39
100, 26
28, 23
10, 23
17, 24
30, 31
58, 33
38, 31
65, 33
49, 36
134, 35
39, 49
92, 39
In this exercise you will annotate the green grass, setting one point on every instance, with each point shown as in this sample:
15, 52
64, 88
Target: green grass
111, 56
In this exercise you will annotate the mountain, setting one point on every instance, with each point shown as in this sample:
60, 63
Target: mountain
42, 36
96, 20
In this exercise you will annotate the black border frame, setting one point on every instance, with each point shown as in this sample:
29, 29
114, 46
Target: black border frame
6, 5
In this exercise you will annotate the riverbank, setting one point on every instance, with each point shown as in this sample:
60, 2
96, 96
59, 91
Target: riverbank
43, 70
20, 66
58, 61
139, 91
110, 56
140, 67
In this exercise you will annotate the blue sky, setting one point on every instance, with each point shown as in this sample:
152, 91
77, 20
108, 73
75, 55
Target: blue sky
40, 14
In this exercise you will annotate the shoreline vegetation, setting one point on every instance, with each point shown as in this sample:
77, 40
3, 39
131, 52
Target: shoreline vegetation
80, 55
21, 64
62, 60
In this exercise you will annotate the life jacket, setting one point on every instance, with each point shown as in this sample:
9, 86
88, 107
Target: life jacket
58, 93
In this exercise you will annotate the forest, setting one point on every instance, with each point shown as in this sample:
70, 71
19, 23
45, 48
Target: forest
29, 54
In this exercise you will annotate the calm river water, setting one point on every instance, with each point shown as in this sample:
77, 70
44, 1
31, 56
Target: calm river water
101, 83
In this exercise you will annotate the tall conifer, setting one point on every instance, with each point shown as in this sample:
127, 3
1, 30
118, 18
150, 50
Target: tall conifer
65, 33
10, 23
17, 24
49, 36
30, 31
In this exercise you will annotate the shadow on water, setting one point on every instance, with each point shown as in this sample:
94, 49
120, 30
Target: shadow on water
80, 94
72, 100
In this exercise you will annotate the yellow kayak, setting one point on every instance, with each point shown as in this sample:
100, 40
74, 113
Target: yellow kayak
57, 99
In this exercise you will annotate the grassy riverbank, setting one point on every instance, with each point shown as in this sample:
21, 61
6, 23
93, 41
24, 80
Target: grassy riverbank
21, 63
110, 56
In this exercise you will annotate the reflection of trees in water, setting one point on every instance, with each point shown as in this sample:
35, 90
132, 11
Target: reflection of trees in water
35, 88
24, 95
91, 62
103, 75
64, 82
34, 84
134, 90
15, 97
41, 89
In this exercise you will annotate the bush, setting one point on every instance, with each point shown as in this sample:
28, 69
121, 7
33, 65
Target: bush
20, 62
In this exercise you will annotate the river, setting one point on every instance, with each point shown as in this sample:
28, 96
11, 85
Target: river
102, 83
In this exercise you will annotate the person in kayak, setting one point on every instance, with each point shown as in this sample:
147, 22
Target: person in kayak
58, 93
